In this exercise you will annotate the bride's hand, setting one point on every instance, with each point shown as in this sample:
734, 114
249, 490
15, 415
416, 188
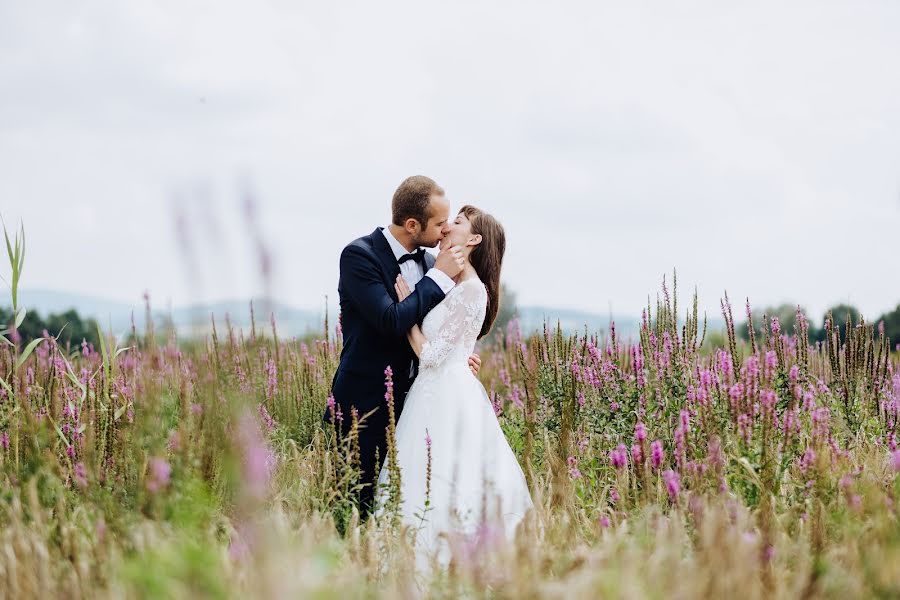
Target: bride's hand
402, 288
475, 364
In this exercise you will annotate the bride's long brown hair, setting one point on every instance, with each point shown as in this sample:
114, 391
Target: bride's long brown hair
487, 258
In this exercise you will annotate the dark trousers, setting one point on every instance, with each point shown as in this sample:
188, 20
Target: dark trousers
367, 395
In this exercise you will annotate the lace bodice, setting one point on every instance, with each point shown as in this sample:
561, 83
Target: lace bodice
452, 326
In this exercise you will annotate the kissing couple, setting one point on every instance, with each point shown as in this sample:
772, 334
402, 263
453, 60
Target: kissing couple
419, 315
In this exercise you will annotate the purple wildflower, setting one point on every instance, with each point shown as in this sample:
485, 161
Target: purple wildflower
496, 404
752, 367
258, 460
515, 397
640, 432
656, 454
808, 460
271, 379
266, 417
723, 362
685, 421
388, 382
673, 484
574, 473
745, 427
80, 475
619, 456
771, 363
159, 474
637, 454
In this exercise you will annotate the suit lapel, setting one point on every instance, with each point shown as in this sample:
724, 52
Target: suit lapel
386, 256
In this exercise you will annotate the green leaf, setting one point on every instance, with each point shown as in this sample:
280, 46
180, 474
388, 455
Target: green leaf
121, 350
754, 476
119, 412
8, 245
20, 316
22, 249
28, 350
59, 431
15, 263
6, 385
102, 345
71, 373
74, 378
3, 339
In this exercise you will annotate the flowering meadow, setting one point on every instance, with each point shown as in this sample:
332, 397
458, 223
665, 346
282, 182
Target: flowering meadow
662, 466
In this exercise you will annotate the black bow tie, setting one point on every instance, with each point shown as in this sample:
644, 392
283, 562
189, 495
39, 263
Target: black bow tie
418, 256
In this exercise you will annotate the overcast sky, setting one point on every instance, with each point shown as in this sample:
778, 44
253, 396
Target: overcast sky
754, 146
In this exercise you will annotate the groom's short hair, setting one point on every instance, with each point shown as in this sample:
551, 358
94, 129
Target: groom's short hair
412, 198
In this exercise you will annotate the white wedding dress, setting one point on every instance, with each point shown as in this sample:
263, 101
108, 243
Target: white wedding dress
476, 483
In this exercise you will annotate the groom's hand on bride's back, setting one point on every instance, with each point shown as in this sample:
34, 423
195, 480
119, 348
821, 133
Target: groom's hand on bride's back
450, 261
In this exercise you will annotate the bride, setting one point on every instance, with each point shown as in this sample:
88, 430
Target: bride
473, 478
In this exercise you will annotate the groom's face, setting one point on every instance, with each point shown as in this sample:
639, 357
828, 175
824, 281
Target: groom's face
438, 223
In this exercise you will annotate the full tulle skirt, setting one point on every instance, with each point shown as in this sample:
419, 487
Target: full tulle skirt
472, 481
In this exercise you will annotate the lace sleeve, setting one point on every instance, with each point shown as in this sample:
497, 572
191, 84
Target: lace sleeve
465, 314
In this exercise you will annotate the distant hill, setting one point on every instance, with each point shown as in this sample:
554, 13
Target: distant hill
189, 320
291, 321
531, 318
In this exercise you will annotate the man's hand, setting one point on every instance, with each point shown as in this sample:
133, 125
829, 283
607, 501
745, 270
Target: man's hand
475, 364
450, 260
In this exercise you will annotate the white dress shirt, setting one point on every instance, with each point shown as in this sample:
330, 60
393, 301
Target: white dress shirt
412, 270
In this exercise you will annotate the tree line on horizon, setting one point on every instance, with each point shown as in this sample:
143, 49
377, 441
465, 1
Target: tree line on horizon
71, 327
840, 313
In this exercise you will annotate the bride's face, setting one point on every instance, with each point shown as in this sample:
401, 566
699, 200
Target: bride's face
460, 234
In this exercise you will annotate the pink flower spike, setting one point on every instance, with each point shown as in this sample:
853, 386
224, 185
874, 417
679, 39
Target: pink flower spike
619, 456
159, 474
637, 455
640, 432
673, 484
656, 454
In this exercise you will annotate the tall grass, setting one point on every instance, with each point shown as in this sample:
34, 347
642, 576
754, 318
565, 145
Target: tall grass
660, 467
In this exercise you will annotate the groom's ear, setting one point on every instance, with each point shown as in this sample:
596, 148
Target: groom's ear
412, 225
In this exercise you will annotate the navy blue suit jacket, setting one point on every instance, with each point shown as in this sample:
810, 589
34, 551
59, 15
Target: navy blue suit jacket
375, 325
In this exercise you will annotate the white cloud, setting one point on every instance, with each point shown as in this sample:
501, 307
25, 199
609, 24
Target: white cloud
755, 147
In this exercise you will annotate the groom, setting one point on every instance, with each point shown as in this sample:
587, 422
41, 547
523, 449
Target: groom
375, 323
